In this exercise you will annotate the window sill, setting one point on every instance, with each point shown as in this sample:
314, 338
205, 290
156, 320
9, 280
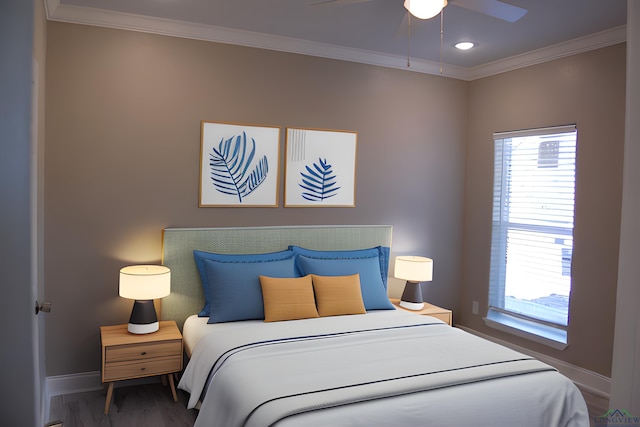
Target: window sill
546, 335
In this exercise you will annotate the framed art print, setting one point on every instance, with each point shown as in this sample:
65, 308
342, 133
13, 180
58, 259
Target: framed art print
239, 165
320, 168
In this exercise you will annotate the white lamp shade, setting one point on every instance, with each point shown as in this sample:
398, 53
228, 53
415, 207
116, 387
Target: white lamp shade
145, 282
414, 268
424, 9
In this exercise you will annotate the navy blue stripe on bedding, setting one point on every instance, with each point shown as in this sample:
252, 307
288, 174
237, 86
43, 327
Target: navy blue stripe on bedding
227, 354
315, 408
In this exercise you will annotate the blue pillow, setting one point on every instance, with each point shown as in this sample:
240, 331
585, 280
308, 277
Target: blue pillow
235, 289
374, 294
201, 256
382, 252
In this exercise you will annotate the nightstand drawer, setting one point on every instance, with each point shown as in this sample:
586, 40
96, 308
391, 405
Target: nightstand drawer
134, 352
114, 371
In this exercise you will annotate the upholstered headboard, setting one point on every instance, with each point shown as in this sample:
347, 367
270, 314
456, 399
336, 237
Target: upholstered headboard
187, 297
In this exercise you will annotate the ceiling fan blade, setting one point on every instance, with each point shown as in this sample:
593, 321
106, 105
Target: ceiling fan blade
337, 2
495, 8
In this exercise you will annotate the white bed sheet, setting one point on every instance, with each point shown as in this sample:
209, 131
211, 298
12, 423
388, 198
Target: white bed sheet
544, 399
193, 330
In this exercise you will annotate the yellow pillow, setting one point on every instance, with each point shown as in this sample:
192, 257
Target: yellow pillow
287, 298
338, 295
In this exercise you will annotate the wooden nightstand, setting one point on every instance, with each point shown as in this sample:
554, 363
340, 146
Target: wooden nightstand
126, 355
428, 310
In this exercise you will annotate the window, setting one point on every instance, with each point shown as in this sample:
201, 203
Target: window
532, 233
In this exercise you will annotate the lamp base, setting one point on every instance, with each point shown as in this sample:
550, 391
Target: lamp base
412, 296
143, 318
412, 305
136, 328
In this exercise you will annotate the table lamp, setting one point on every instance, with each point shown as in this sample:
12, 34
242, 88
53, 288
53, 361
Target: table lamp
413, 269
144, 283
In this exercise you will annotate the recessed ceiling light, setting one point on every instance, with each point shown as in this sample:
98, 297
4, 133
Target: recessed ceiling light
464, 45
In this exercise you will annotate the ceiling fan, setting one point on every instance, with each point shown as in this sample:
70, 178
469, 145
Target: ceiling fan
496, 8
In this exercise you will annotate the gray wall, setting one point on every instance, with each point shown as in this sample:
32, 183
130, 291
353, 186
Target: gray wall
589, 90
18, 398
122, 151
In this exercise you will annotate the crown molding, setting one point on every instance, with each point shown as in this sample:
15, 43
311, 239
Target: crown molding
50, 6
183, 29
572, 47
127, 21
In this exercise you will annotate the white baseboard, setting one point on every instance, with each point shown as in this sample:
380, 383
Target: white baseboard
585, 379
82, 382
73, 383
67, 384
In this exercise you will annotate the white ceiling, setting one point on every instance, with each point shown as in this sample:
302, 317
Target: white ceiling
371, 31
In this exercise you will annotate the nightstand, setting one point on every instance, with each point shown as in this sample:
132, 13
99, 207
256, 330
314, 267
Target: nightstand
126, 356
428, 310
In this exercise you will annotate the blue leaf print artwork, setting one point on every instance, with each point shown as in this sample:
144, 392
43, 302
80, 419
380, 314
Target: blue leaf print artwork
230, 167
319, 182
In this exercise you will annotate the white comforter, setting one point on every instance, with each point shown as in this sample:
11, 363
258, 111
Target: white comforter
387, 368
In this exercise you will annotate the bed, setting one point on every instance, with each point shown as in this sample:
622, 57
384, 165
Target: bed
291, 326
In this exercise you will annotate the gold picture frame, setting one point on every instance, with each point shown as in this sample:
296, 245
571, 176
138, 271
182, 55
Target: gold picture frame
239, 165
320, 168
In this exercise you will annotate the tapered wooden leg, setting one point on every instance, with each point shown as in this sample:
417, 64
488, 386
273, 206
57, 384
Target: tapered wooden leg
173, 388
107, 404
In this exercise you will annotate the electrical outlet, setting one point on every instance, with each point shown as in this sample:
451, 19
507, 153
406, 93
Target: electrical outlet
474, 307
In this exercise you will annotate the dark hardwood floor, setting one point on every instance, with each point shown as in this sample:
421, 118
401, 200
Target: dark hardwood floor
151, 405
146, 405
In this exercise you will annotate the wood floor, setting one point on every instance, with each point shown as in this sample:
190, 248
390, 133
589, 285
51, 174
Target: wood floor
146, 405
151, 405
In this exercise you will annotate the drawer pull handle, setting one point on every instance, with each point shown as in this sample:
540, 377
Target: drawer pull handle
142, 369
143, 353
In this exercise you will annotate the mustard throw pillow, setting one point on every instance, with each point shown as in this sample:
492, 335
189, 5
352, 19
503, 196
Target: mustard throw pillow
287, 298
338, 295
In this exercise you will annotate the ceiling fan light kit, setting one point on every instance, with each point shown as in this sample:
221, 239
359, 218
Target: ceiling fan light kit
424, 9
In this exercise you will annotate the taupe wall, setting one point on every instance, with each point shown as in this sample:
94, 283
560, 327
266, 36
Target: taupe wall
589, 90
122, 140
122, 150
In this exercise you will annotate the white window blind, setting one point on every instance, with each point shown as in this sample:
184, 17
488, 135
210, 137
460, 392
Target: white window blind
532, 229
